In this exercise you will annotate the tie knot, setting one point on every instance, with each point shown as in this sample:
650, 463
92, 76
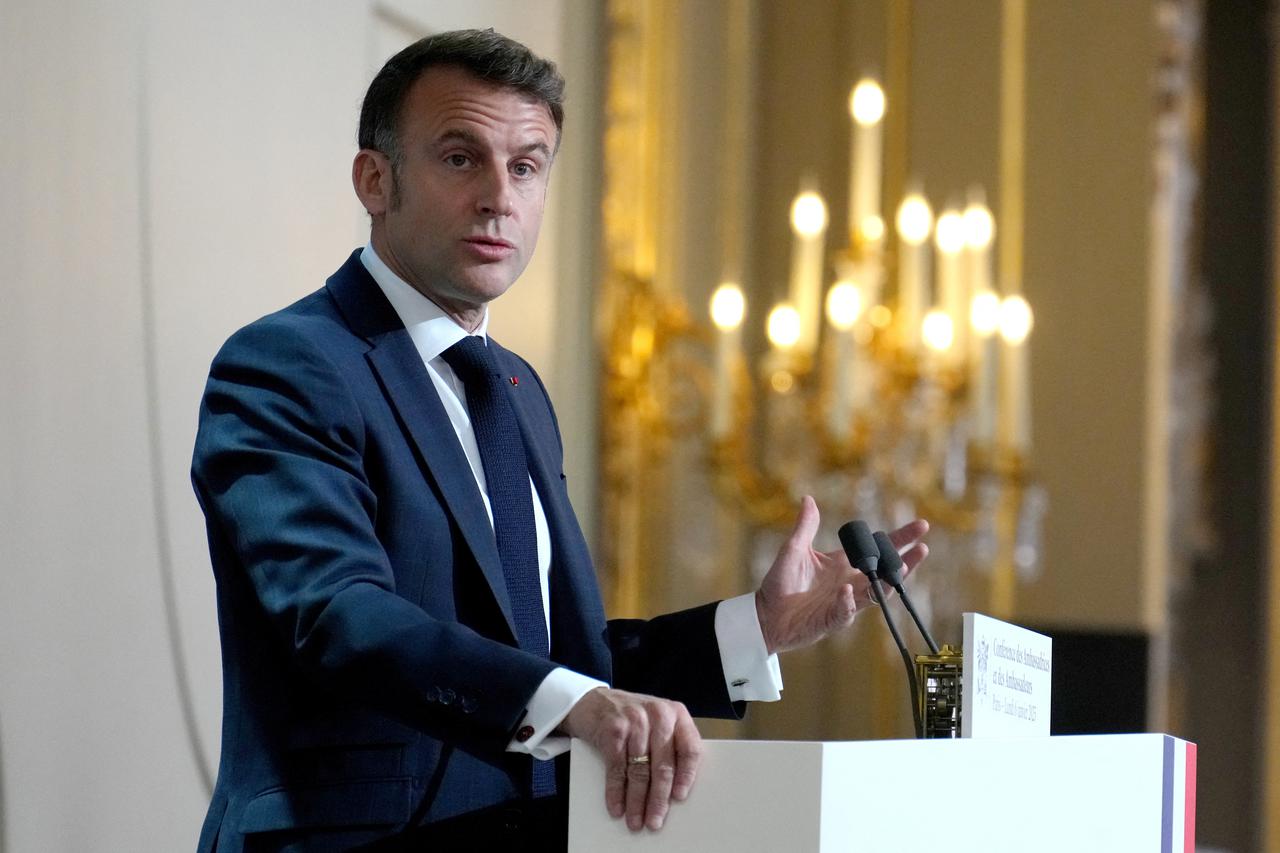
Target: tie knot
471, 359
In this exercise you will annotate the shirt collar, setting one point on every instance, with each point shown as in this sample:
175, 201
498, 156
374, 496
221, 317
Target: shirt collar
432, 330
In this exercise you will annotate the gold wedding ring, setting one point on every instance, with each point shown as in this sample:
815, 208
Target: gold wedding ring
638, 759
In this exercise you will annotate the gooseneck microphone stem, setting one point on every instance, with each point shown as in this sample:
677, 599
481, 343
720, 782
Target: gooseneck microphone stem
890, 568
864, 553
906, 655
915, 617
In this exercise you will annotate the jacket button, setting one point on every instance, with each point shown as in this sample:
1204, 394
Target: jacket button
524, 733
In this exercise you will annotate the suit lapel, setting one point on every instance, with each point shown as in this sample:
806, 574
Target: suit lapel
409, 388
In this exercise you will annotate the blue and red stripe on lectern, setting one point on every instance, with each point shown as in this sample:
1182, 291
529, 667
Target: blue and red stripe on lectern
1178, 804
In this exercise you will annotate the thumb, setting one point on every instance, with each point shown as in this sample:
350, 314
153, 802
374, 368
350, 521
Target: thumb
844, 607
806, 525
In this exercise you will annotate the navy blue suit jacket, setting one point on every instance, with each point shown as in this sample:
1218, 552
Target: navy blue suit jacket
371, 678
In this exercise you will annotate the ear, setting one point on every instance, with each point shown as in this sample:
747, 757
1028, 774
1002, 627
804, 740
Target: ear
371, 177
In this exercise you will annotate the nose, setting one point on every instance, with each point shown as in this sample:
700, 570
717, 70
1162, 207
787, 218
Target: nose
495, 197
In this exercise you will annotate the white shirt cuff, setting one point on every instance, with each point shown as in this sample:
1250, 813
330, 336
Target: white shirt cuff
750, 672
551, 703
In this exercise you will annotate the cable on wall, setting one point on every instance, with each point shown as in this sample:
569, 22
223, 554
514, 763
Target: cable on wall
151, 381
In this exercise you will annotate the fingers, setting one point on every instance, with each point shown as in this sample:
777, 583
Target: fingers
908, 533
638, 775
614, 749
688, 750
662, 769
847, 605
629, 726
843, 606
806, 525
675, 750
913, 557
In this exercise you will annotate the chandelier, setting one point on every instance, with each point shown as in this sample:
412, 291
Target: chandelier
885, 406
894, 381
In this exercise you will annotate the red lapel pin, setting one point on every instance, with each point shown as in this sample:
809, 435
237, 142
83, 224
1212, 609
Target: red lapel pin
515, 380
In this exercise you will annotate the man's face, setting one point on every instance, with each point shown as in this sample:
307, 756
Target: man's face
470, 189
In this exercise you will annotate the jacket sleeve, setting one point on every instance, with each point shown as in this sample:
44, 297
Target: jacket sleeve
279, 470
675, 656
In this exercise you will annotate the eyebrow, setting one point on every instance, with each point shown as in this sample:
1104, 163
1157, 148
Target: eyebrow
468, 138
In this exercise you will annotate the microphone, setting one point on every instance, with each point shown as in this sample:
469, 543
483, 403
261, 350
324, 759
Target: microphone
860, 547
864, 554
891, 571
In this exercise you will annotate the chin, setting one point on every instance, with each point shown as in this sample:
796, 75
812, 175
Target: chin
485, 289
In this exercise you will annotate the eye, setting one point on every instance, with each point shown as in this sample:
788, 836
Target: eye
524, 169
458, 160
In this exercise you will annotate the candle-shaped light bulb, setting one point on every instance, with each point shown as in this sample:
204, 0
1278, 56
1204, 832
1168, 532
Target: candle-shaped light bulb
728, 307
808, 215
872, 229
984, 305
783, 326
848, 370
880, 316
979, 226
915, 223
866, 102
984, 314
915, 220
1015, 377
809, 222
950, 234
937, 331
844, 305
866, 107
951, 293
1016, 320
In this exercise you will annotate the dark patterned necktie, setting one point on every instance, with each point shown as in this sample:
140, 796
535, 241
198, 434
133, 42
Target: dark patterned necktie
506, 472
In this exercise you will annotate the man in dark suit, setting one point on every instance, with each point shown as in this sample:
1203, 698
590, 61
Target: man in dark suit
409, 617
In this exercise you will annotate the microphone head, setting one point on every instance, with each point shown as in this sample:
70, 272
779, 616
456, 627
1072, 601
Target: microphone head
890, 561
860, 546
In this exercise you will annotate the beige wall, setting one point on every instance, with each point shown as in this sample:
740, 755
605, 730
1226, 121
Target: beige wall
1089, 184
170, 171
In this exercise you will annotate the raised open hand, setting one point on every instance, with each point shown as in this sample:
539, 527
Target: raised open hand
808, 594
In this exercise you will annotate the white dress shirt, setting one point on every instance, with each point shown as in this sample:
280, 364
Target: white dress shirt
750, 672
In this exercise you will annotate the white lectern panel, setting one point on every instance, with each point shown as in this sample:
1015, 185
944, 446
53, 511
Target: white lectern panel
777, 783
1121, 793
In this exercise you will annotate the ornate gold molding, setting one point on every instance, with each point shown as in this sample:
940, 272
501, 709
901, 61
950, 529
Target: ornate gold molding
636, 320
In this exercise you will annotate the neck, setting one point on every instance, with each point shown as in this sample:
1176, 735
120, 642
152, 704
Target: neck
469, 317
